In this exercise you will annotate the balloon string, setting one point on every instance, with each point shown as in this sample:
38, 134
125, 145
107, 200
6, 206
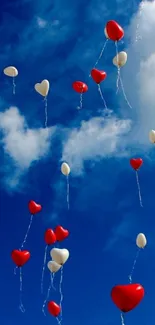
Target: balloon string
68, 192
43, 269
123, 90
134, 264
103, 48
46, 117
52, 281
15, 270
21, 306
59, 321
14, 86
60, 291
139, 191
28, 229
81, 100
101, 94
47, 296
118, 69
122, 319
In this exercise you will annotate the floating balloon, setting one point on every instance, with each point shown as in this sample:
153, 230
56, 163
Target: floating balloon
81, 88
53, 266
127, 297
54, 309
65, 169
20, 258
141, 243
114, 31
50, 239
61, 233
152, 136
11, 72
136, 163
141, 240
60, 255
98, 76
34, 208
120, 59
43, 89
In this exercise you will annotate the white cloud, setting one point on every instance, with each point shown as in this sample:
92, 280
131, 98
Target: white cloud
41, 22
97, 138
141, 70
22, 145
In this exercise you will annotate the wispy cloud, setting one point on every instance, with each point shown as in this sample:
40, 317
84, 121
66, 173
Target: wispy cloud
22, 146
95, 139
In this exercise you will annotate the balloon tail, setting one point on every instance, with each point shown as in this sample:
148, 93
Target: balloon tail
26, 235
43, 269
46, 116
102, 97
15, 270
139, 191
103, 48
134, 264
13, 86
58, 321
21, 306
47, 296
124, 94
60, 291
122, 319
81, 100
68, 192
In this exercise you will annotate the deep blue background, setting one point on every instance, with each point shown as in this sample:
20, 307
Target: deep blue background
105, 216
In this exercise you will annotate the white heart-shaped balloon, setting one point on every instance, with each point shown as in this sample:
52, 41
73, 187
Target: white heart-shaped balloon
53, 266
152, 136
42, 88
11, 71
60, 256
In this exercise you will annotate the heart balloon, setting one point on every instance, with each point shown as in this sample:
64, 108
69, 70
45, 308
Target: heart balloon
49, 237
114, 31
61, 233
53, 308
136, 163
127, 297
42, 88
20, 257
98, 75
53, 266
34, 207
59, 255
80, 87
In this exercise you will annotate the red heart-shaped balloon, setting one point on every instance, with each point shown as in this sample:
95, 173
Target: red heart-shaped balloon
20, 257
114, 31
50, 237
53, 308
127, 297
136, 163
98, 75
80, 87
34, 207
61, 233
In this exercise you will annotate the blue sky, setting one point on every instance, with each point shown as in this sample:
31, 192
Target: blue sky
60, 41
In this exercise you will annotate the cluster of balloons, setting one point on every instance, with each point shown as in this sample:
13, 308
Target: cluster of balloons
59, 256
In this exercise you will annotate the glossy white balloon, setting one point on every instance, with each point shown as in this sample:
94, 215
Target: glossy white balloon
120, 59
59, 255
141, 240
53, 266
11, 71
152, 136
42, 88
65, 169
